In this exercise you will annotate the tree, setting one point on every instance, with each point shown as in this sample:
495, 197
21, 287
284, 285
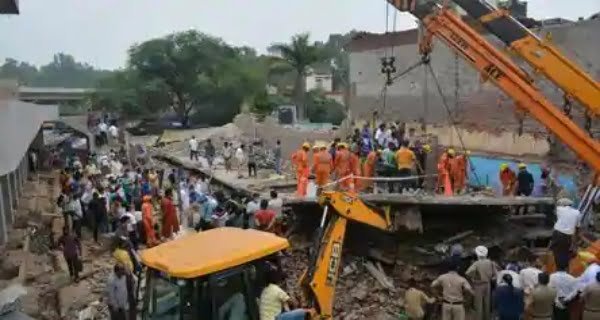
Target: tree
321, 109
200, 73
298, 55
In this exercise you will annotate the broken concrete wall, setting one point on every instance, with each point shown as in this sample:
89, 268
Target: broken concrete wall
413, 97
270, 131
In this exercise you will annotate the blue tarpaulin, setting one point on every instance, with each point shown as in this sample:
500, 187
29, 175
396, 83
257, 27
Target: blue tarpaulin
487, 168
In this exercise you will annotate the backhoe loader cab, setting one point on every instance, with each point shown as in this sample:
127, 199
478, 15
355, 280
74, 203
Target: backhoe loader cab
211, 275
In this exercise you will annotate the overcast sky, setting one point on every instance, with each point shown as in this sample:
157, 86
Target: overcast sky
100, 31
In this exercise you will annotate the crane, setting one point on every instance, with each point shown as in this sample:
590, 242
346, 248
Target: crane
496, 67
543, 56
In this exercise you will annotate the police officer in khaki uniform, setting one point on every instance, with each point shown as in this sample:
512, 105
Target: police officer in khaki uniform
481, 273
591, 300
541, 305
453, 287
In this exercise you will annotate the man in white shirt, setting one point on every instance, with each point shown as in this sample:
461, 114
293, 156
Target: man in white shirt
565, 228
251, 208
529, 276
193, 143
103, 130
589, 275
566, 287
276, 204
114, 134
381, 136
511, 270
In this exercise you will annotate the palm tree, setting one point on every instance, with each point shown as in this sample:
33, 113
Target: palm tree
298, 55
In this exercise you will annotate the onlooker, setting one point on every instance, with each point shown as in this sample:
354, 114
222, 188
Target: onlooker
277, 156
541, 304
97, 208
482, 272
170, 221
76, 213
264, 218
227, 155
276, 204
453, 288
591, 300
193, 144
251, 161
117, 294
529, 278
71, 247
114, 134
251, 207
566, 290
508, 300
209, 152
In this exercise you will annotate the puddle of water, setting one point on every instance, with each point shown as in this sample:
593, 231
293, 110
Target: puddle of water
487, 169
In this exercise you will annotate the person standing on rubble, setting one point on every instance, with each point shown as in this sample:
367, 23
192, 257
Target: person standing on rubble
323, 167
565, 230
252, 161
415, 300
443, 168
369, 169
421, 152
355, 167
277, 156
333, 148
459, 171
342, 166
209, 153
508, 179
482, 273
525, 182
240, 158
300, 163
117, 294
405, 161
148, 222
193, 144
71, 248
453, 288
227, 154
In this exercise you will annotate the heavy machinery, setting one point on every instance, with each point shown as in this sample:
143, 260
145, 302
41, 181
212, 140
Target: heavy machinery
198, 276
442, 23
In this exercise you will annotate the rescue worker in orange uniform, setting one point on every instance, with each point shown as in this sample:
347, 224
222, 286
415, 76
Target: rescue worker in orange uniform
355, 167
313, 160
300, 163
368, 169
322, 167
443, 166
342, 166
458, 168
148, 222
405, 162
508, 179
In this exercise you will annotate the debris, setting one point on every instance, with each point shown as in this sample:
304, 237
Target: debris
458, 237
10, 298
380, 256
379, 275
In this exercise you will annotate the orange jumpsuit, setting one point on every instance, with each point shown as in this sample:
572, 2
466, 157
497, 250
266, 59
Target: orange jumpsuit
300, 162
368, 170
148, 223
443, 168
508, 179
342, 167
322, 167
455, 171
355, 170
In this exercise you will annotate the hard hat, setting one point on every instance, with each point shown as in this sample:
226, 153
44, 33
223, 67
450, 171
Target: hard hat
522, 165
503, 166
481, 251
323, 146
451, 151
587, 256
315, 147
342, 145
468, 152
427, 148
306, 145
379, 151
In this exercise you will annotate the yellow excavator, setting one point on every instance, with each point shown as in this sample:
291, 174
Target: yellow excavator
200, 276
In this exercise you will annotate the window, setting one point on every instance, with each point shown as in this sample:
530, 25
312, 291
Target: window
163, 298
319, 83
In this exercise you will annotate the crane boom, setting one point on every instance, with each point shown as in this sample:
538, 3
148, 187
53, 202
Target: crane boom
544, 57
505, 74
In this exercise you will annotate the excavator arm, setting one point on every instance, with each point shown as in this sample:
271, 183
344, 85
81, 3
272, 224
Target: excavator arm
542, 55
320, 279
504, 73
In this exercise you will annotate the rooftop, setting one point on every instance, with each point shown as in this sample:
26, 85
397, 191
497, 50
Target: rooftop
203, 253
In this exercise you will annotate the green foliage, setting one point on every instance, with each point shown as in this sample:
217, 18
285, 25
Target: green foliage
264, 104
197, 76
298, 55
62, 71
321, 109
